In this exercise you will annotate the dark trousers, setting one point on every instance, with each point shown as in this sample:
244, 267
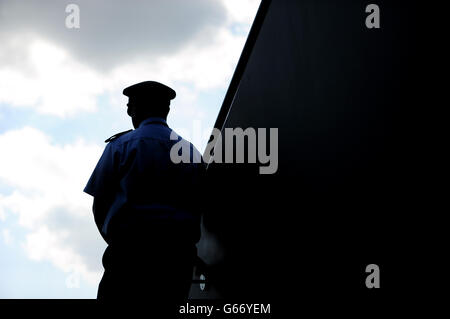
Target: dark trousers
150, 273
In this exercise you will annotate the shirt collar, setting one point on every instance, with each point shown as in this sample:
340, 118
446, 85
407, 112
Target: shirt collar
152, 119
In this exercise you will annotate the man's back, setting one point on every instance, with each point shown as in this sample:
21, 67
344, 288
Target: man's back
146, 189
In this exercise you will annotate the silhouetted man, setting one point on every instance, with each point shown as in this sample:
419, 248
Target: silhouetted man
144, 205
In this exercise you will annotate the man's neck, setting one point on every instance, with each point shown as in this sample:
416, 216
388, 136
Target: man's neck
152, 119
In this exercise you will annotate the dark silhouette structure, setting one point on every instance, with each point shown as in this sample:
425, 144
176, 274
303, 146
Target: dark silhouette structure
344, 98
144, 207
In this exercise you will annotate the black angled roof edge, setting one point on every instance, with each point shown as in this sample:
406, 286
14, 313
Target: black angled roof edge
242, 64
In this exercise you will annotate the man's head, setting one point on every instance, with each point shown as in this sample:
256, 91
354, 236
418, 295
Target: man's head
148, 99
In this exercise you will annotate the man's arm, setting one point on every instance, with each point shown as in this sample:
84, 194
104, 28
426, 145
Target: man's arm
100, 208
101, 187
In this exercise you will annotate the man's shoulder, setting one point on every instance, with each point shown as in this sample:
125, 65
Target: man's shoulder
116, 136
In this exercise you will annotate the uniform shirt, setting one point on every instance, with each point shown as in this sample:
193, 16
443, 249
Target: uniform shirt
137, 182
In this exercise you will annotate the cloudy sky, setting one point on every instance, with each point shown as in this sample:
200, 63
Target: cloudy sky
61, 97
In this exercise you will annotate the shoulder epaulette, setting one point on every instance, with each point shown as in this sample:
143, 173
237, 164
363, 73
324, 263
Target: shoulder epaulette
112, 138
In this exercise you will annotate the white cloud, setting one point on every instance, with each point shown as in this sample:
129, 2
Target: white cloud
48, 180
241, 11
113, 31
56, 84
51, 72
50, 81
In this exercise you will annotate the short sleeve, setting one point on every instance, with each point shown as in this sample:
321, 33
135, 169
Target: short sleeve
104, 173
